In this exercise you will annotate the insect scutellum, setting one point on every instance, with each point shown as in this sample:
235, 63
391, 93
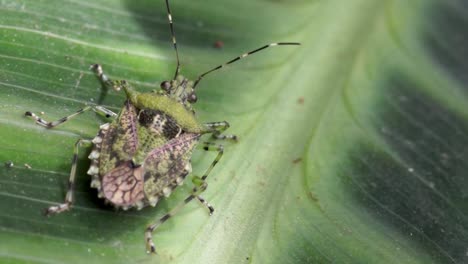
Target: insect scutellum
145, 151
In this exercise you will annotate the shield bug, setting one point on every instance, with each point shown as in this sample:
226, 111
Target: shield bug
145, 152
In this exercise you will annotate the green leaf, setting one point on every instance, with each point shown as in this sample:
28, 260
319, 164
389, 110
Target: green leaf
352, 148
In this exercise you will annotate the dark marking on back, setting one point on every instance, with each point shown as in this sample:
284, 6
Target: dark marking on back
160, 122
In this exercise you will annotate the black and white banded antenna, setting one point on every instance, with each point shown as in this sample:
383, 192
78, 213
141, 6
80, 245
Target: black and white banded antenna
174, 42
241, 57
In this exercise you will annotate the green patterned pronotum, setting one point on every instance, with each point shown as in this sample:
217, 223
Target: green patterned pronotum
144, 153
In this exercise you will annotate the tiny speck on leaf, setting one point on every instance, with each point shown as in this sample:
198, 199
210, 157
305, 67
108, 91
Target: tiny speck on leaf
296, 161
218, 44
300, 100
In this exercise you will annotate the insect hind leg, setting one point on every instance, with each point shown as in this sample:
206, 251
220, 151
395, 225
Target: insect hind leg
66, 205
200, 187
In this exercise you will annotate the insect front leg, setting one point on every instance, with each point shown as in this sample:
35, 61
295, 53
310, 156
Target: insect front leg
217, 128
200, 186
97, 108
117, 85
71, 182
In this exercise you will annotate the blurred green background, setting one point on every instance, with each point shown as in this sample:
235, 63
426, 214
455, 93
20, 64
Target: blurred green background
353, 147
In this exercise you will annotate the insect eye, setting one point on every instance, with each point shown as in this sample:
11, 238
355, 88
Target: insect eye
166, 86
192, 98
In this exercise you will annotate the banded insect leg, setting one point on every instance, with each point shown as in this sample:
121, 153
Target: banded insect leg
200, 187
217, 128
69, 197
97, 108
117, 85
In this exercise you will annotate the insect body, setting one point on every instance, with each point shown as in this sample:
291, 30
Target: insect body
144, 153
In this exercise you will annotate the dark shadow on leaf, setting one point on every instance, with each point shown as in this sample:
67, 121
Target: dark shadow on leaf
90, 221
420, 189
446, 37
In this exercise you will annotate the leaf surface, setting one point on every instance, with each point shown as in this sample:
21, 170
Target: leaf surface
352, 148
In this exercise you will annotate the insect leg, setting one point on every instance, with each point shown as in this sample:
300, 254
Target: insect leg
216, 128
150, 229
98, 109
200, 186
105, 80
71, 182
201, 181
206, 204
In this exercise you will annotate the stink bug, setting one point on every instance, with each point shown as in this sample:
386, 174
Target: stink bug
144, 153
